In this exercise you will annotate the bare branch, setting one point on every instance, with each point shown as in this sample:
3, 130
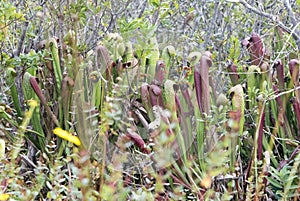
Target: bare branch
22, 38
19, 68
294, 32
290, 12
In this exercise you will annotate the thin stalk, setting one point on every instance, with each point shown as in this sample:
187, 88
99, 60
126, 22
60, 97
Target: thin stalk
11, 75
29, 94
34, 84
22, 128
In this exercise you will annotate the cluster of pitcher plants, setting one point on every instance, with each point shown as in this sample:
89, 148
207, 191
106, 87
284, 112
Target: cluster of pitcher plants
152, 124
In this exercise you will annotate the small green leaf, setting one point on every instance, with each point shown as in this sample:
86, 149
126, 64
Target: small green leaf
275, 183
154, 3
2, 149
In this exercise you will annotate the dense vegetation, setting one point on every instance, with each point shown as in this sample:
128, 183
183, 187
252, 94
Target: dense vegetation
149, 100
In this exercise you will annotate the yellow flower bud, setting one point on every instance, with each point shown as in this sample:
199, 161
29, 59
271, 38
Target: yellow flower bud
67, 136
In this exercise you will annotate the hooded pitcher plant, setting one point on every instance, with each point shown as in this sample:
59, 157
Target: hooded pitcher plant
253, 84
201, 80
255, 47
202, 88
35, 86
53, 46
168, 56
11, 76
236, 120
233, 73
152, 57
294, 71
29, 94
102, 76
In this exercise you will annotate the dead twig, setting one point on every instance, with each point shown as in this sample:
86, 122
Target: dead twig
294, 32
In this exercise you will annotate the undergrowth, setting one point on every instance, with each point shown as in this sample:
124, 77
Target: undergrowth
133, 117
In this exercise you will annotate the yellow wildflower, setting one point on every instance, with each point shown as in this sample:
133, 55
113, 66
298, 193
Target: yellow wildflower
4, 196
67, 136
32, 103
206, 182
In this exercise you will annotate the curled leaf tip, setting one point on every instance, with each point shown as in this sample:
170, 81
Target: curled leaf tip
294, 62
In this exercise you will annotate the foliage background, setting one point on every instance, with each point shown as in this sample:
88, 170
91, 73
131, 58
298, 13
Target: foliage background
217, 26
